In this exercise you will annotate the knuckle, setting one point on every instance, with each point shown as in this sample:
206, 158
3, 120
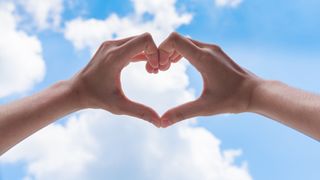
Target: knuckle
106, 43
215, 47
112, 53
146, 36
171, 41
204, 54
148, 43
174, 36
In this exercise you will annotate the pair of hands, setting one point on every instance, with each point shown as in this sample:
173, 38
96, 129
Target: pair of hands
227, 86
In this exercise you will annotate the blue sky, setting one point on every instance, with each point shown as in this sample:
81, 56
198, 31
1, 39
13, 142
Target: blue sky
274, 39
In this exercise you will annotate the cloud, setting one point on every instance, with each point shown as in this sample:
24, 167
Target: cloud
94, 144
21, 61
121, 148
44, 13
82, 34
107, 148
228, 3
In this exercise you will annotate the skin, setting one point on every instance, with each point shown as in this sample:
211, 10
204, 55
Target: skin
228, 88
95, 86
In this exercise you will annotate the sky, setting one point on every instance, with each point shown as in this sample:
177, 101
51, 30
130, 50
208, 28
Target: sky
45, 41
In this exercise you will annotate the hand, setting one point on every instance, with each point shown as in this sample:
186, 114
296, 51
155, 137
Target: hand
227, 86
98, 84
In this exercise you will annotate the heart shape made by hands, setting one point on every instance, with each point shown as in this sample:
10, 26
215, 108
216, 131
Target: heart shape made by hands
160, 91
226, 88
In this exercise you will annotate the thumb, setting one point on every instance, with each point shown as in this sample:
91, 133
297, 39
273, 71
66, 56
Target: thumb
182, 112
130, 108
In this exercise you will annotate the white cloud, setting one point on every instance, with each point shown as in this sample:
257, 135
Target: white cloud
21, 62
45, 13
94, 144
97, 145
89, 33
228, 3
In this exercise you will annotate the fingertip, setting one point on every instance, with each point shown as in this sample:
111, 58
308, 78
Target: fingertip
156, 122
140, 111
172, 116
154, 118
165, 66
166, 119
149, 68
166, 122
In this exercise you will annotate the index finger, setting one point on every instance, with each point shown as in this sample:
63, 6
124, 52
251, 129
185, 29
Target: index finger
143, 42
139, 57
184, 46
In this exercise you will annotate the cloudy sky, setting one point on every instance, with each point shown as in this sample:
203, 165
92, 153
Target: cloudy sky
44, 41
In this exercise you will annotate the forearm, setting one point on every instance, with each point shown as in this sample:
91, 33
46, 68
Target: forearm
22, 118
292, 107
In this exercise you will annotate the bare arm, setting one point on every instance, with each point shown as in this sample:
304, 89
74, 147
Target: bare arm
229, 88
21, 118
96, 86
293, 107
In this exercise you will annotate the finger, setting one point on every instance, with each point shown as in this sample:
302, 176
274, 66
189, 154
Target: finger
216, 48
149, 68
153, 58
140, 111
176, 59
139, 57
165, 66
184, 46
142, 57
164, 56
182, 112
119, 42
199, 43
174, 54
143, 42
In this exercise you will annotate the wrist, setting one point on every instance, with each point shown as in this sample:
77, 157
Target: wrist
247, 92
72, 94
259, 93
84, 95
